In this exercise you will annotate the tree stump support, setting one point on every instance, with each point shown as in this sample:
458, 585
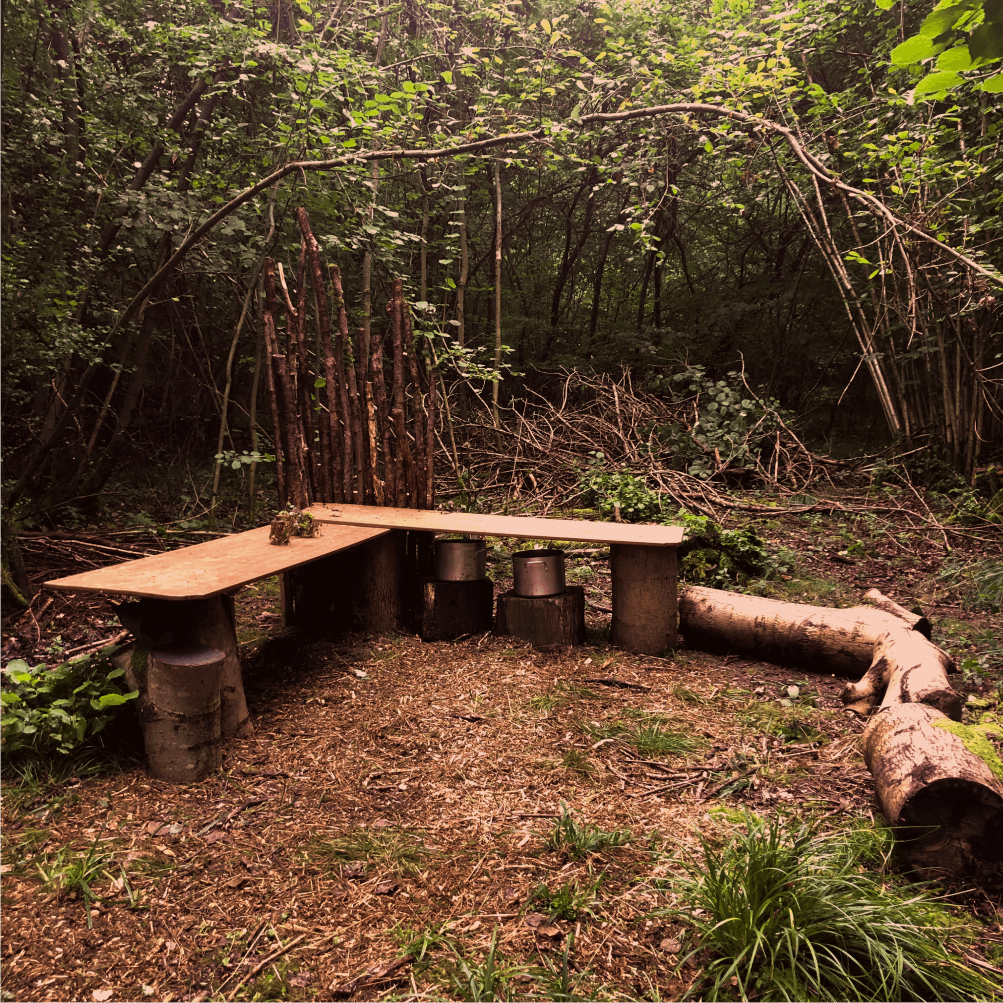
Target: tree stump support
446, 610
550, 622
368, 587
645, 613
210, 622
180, 712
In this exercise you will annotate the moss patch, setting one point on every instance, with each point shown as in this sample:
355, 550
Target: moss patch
975, 741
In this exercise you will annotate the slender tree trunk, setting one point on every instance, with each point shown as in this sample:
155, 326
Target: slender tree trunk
498, 303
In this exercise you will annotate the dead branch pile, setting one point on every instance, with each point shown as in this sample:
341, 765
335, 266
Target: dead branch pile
546, 443
353, 421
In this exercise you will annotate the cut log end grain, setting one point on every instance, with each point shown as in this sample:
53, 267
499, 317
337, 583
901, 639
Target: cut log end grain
935, 788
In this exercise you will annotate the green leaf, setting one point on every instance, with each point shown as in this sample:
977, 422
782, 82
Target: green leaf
944, 18
986, 42
937, 84
886, 4
994, 85
955, 59
117, 699
18, 665
912, 50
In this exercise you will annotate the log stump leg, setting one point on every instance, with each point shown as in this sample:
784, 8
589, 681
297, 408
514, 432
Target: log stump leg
447, 610
645, 616
180, 712
363, 588
211, 622
550, 622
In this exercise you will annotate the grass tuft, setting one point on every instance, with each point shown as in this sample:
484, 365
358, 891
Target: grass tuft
782, 913
578, 839
389, 850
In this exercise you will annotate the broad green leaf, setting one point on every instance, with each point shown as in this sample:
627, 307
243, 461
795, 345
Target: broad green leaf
886, 4
986, 42
912, 50
117, 699
994, 85
545, 25
17, 665
944, 18
936, 83
956, 59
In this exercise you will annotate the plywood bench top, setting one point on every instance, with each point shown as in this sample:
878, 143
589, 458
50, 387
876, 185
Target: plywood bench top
527, 527
207, 569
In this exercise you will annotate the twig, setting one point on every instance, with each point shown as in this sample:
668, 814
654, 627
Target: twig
263, 963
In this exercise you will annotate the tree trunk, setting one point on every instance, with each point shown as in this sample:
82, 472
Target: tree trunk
906, 668
838, 640
940, 789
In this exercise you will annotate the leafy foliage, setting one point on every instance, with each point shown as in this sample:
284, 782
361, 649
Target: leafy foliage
730, 429
57, 710
784, 913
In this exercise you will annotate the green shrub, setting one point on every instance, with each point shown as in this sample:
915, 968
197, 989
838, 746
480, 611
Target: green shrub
613, 492
47, 711
782, 913
730, 428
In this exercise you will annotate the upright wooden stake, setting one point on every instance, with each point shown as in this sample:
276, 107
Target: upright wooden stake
271, 347
383, 416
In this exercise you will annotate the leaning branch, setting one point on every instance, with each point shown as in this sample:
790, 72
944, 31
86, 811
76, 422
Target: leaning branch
810, 162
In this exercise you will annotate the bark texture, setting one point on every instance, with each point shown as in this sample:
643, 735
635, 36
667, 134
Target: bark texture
906, 668
943, 798
645, 617
795, 634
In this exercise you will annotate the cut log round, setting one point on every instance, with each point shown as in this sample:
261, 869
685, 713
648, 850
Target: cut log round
906, 668
795, 634
445, 610
944, 800
645, 617
181, 712
549, 622
210, 622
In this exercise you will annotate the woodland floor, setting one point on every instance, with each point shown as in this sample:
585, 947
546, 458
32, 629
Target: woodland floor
394, 788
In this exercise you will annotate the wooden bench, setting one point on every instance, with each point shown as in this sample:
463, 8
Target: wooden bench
187, 594
643, 559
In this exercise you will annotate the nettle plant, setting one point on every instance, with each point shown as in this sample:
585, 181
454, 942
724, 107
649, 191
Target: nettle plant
47, 711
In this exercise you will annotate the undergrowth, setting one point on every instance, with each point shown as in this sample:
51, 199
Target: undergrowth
783, 913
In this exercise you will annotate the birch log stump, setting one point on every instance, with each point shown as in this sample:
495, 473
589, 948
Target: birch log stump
785, 633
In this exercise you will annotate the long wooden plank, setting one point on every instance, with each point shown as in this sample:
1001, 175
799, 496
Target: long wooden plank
528, 527
207, 569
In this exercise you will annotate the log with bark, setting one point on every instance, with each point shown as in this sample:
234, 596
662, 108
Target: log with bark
785, 633
939, 783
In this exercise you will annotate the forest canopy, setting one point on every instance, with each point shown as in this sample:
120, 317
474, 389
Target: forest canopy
816, 204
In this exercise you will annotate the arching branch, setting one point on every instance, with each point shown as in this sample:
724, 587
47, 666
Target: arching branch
810, 162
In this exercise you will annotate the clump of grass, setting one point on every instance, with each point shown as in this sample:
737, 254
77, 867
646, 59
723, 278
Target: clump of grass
783, 913
979, 583
650, 740
578, 839
490, 979
570, 901
74, 874
647, 736
397, 850
578, 762
419, 944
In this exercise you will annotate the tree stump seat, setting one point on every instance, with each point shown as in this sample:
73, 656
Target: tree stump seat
642, 558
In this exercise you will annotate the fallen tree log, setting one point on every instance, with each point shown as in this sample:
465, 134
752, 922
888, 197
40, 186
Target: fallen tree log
795, 634
940, 785
905, 668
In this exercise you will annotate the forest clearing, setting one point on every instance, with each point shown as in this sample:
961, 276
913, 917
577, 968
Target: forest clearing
717, 284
